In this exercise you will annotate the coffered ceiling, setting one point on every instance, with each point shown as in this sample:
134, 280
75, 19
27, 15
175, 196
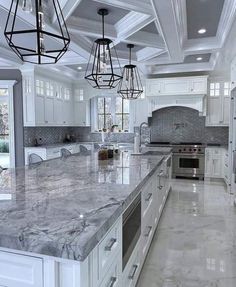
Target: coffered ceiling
170, 36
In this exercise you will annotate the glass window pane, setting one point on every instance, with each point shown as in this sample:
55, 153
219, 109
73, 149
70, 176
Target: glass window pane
217, 93
226, 85
100, 105
126, 122
217, 85
100, 122
119, 121
212, 93
109, 121
126, 106
4, 127
226, 92
118, 105
212, 86
108, 105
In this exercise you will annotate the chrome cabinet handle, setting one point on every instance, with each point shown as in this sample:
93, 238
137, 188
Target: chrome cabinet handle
110, 245
149, 231
112, 282
131, 276
148, 197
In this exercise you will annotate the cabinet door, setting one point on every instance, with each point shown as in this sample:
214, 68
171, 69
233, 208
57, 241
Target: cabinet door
58, 112
176, 87
140, 111
40, 111
49, 111
208, 163
226, 110
217, 166
214, 111
199, 86
20, 271
153, 88
67, 111
80, 113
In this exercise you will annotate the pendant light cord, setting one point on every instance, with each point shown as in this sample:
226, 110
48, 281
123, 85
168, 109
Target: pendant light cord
103, 26
130, 55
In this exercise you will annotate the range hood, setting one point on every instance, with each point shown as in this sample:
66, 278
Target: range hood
196, 102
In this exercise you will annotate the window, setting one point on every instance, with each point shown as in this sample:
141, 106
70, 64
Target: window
220, 88
113, 111
215, 89
40, 87
122, 114
104, 113
67, 94
226, 89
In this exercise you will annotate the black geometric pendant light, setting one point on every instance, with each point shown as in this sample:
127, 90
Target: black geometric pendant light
130, 87
38, 44
103, 57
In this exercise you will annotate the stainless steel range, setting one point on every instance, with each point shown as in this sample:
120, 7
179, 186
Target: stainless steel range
189, 160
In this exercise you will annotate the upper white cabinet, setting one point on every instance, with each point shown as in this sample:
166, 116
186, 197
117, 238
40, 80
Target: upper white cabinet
177, 86
46, 102
81, 106
218, 103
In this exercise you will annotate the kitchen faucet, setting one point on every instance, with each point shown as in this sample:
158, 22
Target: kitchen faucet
140, 131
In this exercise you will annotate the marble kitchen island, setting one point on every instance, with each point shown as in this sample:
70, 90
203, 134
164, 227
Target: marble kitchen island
57, 218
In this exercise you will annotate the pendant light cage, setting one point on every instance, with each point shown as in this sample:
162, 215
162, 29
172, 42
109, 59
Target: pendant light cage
130, 87
103, 62
37, 44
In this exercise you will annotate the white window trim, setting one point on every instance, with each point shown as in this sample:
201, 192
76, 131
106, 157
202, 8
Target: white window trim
10, 85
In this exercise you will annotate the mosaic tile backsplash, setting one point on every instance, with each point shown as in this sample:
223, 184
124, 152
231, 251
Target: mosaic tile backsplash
174, 124
179, 124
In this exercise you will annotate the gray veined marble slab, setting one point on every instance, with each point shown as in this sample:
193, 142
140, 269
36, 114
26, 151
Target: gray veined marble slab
64, 207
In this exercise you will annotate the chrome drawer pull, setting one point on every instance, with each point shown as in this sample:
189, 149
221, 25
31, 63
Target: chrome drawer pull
110, 245
149, 231
113, 281
149, 197
131, 276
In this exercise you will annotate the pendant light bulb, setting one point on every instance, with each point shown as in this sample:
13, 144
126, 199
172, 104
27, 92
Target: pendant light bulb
27, 6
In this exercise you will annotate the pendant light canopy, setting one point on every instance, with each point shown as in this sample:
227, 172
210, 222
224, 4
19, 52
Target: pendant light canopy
130, 86
38, 44
103, 57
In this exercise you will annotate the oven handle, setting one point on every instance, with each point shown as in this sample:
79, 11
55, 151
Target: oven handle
159, 176
135, 267
190, 154
148, 197
149, 231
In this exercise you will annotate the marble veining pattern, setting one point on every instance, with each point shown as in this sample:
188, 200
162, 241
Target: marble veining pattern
64, 207
195, 244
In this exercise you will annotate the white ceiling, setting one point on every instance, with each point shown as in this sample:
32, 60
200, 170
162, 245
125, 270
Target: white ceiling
165, 33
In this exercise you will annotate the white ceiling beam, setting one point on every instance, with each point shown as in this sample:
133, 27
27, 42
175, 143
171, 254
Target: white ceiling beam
182, 68
131, 24
68, 9
146, 39
148, 53
9, 57
131, 5
168, 24
90, 28
203, 45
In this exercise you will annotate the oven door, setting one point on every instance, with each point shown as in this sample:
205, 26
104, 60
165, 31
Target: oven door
188, 165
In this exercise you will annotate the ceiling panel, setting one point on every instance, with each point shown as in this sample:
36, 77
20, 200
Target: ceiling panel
123, 47
151, 28
203, 14
193, 58
88, 10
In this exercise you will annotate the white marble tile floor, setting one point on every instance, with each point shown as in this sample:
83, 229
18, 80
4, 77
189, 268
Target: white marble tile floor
195, 244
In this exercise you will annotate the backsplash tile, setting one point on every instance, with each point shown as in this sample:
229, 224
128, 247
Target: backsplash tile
179, 124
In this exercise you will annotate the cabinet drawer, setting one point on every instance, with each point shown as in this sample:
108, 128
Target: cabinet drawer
113, 276
108, 248
147, 232
133, 268
20, 271
148, 194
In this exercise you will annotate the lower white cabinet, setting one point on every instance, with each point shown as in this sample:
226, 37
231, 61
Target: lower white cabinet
216, 163
20, 271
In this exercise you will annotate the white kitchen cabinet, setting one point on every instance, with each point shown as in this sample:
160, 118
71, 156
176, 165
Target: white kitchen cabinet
214, 162
218, 104
46, 102
20, 271
176, 86
140, 111
81, 107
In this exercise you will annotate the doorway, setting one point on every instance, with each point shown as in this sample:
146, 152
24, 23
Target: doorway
7, 139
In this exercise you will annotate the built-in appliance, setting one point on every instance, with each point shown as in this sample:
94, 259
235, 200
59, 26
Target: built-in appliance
189, 160
131, 228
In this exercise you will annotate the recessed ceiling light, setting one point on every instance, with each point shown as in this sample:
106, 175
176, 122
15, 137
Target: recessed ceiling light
199, 58
79, 68
202, 31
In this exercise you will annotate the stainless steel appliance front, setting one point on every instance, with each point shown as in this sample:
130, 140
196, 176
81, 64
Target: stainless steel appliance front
131, 228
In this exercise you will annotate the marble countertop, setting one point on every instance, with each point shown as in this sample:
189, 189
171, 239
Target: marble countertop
64, 207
